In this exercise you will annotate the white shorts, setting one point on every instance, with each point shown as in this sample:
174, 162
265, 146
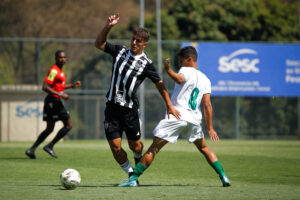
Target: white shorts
170, 129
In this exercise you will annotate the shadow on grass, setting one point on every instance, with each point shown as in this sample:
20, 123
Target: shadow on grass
174, 185
26, 158
116, 185
16, 158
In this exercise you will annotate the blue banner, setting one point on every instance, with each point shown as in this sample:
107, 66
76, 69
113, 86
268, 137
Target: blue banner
250, 69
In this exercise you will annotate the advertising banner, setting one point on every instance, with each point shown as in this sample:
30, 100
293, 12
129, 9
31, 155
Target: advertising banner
250, 69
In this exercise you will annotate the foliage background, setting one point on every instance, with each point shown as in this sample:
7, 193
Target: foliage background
192, 20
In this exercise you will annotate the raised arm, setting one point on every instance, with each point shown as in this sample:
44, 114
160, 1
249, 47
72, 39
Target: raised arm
176, 77
163, 92
102, 36
207, 110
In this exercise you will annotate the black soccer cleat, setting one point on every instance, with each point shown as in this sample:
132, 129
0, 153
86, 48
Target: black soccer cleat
50, 151
30, 154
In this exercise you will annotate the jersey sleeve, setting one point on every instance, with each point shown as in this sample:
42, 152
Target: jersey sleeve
207, 86
152, 73
51, 76
182, 72
112, 49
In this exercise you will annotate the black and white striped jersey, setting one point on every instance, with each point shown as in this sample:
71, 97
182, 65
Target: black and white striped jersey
128, 72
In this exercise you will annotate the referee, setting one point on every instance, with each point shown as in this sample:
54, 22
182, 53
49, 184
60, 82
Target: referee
54, 110
129, 69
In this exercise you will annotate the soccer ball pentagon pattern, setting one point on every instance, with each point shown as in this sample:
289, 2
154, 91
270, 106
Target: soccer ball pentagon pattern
70, 179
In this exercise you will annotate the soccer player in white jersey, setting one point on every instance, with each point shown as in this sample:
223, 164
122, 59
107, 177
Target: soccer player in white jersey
191, 89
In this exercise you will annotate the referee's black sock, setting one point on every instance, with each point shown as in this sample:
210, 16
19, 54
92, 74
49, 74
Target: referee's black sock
61, 133
40, 139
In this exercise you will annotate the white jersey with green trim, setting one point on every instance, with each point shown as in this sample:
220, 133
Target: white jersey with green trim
187, 96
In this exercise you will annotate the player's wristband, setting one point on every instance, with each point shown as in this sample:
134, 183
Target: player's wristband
60, 94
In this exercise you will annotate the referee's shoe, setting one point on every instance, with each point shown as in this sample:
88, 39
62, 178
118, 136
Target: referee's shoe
30, 154
50, 151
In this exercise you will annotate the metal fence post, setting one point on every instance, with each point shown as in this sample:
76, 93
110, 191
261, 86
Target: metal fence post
237, 118
38, 71
298, 118
142, 87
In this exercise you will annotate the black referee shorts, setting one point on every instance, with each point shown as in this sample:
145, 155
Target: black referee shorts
54, 109
119, 119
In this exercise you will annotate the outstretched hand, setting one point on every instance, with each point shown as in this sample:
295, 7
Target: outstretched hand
113, 20
213, 135
77, 84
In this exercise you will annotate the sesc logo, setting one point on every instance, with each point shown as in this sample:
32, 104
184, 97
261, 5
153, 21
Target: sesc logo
28, 110
232, 64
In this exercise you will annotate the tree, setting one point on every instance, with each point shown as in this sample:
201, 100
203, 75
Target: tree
52, 19
228, 20
240, 20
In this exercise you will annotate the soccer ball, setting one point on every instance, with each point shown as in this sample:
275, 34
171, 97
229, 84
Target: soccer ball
70, 179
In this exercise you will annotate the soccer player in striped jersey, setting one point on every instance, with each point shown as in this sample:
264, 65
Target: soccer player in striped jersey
129, 69
191, 89
54, 110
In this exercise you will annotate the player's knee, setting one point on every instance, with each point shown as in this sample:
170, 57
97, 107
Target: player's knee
69, 127
116, 150
201, 150
153, 150
207, 152
136, 146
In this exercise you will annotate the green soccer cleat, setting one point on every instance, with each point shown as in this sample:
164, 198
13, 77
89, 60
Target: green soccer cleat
225, 181
129, 183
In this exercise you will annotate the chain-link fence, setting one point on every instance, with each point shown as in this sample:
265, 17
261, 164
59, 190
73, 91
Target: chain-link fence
26, 62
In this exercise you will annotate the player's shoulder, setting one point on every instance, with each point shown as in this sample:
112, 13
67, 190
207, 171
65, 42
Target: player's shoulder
200, 73
117, 47
120, 47
190, 71
203, 76
145, 57
55, 68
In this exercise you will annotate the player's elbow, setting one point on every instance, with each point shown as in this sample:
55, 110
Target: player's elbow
207, 107
45, 88
160, 86
99, 45
179, 80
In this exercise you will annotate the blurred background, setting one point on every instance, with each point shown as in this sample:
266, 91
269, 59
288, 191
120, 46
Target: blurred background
32, 30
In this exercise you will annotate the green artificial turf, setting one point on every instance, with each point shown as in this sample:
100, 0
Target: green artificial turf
256, 169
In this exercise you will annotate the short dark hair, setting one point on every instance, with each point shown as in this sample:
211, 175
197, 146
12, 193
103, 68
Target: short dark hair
58, 52
142, 32
188, 51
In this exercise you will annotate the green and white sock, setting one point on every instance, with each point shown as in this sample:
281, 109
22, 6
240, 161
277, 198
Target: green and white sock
127, 167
